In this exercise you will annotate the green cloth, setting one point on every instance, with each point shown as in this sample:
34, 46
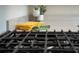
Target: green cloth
40, 28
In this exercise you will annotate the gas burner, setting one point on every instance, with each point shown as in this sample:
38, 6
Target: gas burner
39, 42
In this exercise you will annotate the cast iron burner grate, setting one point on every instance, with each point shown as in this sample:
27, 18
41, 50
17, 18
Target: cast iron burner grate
39, 42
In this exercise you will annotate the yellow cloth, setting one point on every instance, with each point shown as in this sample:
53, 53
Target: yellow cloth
28, 25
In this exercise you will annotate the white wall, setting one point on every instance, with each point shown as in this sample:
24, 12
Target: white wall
2, 18
62, 17
10, 13
62, 10
16, 11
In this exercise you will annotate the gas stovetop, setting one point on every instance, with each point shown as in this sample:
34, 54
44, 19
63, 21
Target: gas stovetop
39, 42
